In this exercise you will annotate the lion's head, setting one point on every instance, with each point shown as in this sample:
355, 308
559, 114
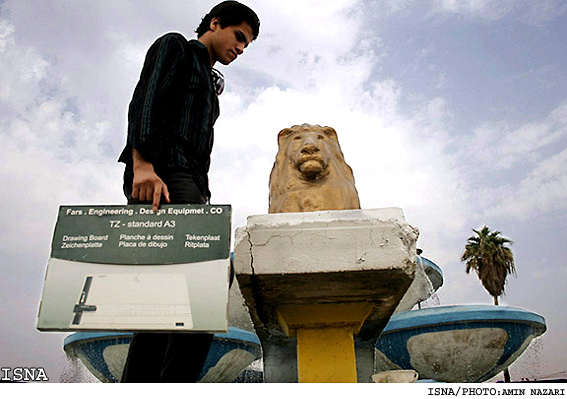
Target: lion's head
310, 173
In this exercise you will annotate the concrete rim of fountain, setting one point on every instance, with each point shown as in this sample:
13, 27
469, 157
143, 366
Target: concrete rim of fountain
462, 313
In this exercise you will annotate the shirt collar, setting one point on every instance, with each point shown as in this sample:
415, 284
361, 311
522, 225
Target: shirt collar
202, 51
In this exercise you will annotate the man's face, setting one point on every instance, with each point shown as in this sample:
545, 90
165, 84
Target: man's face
229, 42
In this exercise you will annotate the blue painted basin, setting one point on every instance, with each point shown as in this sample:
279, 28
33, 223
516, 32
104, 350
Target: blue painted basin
104, 354
457, 343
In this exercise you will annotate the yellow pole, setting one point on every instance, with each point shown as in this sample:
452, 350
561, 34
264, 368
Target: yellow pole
325, 338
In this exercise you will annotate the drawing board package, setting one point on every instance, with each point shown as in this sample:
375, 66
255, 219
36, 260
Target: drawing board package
128, 268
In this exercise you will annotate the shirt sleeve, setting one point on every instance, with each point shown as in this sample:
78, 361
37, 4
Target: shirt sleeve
144, 125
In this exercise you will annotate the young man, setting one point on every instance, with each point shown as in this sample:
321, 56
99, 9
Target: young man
167, 156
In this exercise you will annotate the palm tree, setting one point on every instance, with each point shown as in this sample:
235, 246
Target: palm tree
487, 254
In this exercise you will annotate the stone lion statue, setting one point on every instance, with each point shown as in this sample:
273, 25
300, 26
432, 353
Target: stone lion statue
310, 173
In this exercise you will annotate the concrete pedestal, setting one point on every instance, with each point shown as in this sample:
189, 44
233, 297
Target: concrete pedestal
355, 259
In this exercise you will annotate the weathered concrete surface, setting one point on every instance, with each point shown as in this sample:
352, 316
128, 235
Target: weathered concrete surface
434, 353
365, 352
452, 356
395, 376
323, 257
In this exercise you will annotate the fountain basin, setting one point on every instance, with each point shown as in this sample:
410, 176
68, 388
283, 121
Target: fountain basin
433, 272
104, 354
457, 343
428, 278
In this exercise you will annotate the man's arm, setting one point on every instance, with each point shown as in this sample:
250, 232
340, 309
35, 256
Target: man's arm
147, 185
144, 119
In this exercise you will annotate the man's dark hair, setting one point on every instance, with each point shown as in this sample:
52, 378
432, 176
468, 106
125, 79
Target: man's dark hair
230, 13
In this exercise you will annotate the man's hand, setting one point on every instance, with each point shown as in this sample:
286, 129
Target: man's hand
147, 185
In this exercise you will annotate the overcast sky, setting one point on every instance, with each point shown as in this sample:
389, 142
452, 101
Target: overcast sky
453, 110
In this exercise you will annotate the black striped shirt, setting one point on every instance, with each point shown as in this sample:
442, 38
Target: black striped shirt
173, 109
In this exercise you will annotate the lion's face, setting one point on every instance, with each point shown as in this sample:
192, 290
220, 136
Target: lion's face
310, 172
309, 149
309, 152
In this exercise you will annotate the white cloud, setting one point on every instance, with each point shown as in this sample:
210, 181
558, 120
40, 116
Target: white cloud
49, 154
22, 71
529, 160
498, 145
537, 13
486, 9
387, 7
527, 11
541, 191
